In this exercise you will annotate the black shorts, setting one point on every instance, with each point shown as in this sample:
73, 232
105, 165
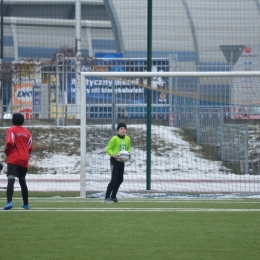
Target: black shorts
17, 171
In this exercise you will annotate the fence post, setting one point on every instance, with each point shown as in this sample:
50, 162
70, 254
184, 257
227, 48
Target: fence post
222, 141
246, 150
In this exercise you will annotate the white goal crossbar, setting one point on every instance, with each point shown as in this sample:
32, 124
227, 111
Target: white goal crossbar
170, 74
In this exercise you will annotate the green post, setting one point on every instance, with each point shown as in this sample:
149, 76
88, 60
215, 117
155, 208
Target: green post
2, 51
149, 96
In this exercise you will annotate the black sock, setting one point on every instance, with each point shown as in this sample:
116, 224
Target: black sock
24, 191
10, 190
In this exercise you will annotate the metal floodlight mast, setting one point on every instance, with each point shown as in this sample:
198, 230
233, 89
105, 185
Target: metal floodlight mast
232, 54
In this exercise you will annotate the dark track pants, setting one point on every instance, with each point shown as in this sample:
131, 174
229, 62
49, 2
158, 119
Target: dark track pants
117, 177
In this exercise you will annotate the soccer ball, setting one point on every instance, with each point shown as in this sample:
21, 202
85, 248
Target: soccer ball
124, 155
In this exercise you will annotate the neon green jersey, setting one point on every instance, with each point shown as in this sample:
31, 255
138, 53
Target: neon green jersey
117, 144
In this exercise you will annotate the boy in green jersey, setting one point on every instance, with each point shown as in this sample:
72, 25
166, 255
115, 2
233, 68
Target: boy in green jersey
116, 144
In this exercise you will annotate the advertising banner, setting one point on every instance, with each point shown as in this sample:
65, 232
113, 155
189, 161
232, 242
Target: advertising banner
26, 75
101, 91
22, 94
22, 99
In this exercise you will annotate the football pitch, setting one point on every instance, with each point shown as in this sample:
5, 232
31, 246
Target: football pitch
73, 228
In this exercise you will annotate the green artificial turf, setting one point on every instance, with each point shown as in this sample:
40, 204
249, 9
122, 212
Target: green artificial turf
72, 229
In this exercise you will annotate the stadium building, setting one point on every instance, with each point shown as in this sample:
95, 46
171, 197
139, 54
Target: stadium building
194, 30
187, 35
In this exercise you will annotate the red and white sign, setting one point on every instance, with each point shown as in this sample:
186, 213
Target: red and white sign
27, 112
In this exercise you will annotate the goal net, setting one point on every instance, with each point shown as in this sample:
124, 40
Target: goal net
203, 137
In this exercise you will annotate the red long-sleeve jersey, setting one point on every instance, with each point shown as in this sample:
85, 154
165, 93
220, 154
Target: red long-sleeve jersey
18, 145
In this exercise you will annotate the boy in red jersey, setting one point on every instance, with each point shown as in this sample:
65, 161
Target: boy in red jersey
18, 148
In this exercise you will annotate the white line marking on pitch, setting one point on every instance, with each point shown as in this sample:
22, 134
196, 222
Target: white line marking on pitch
67, 200
131, 210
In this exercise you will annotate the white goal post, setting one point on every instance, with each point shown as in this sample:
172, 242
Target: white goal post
84, 75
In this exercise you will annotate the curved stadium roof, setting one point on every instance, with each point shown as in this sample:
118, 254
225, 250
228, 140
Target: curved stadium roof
193, 30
